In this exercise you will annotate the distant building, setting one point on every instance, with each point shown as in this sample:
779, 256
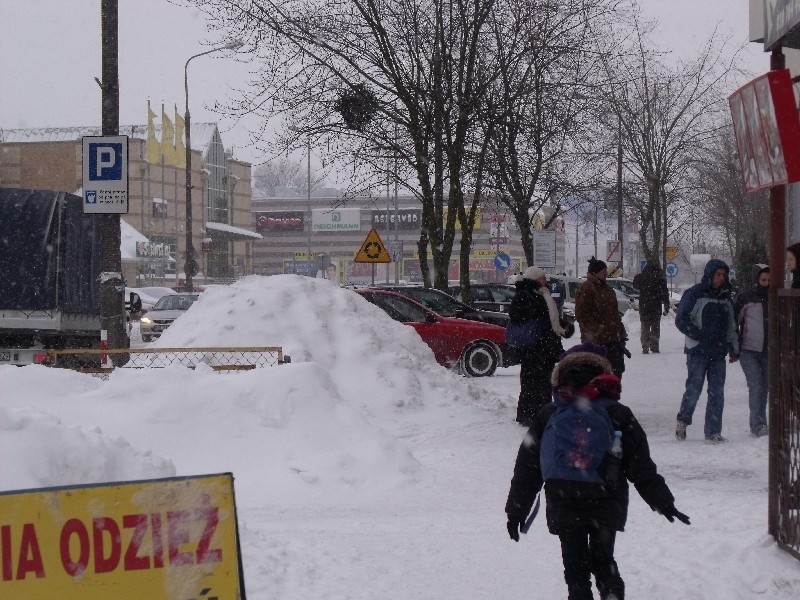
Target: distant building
334, 233
222, 222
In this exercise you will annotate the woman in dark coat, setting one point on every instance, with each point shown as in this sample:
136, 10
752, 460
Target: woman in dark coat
533, 302
587, 516
793, 262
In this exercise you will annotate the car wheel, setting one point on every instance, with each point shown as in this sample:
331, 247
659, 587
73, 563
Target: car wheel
146, 338
479, 360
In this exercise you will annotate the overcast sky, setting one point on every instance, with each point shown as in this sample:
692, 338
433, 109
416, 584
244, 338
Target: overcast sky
50, 54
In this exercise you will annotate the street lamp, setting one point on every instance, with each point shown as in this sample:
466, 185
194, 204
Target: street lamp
308, 196
191, 264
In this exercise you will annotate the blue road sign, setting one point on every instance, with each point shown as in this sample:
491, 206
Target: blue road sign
105, 161
672, 269
502, 261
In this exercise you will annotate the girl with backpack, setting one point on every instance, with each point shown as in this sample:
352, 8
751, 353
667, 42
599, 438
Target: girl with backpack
586, 507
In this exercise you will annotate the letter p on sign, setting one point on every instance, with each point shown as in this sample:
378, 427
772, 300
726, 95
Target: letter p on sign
105, 162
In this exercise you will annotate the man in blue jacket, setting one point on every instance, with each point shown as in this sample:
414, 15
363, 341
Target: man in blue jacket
706, 317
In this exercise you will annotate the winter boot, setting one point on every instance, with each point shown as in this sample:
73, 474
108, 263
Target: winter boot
645, 350
680, 430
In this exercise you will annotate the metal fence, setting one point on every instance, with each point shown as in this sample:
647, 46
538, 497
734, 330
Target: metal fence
222, 360
784, 493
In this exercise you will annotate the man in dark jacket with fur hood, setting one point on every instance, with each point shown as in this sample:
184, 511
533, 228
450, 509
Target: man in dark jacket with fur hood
587, 516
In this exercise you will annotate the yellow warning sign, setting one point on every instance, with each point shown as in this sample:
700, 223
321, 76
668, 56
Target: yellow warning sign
372, 250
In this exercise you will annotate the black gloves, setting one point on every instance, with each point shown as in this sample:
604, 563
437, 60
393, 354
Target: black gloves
672, 513
513, 529
569, 330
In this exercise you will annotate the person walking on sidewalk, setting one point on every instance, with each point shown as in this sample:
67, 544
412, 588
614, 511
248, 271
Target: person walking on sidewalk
706, 317
586, 515
532, 302
597, 312
793, 263
751, 316
653, 297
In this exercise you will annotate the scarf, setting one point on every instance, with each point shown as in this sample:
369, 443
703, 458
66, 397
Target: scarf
552, 309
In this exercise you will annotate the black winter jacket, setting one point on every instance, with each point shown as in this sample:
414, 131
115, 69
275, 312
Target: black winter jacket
572, 505
529, 305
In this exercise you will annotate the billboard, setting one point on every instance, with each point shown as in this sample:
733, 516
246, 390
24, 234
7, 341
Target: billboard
280, 220
781, 20
157, 539
767, 127
404, 219
337, 219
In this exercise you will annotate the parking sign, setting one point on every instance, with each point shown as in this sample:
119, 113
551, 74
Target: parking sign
105, 174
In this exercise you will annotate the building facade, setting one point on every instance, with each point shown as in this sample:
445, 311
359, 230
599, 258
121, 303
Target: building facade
222, 221
332, 234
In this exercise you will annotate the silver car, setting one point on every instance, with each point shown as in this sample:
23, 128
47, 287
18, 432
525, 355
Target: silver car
163, 313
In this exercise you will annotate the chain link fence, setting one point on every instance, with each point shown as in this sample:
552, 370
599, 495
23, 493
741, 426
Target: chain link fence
222, 360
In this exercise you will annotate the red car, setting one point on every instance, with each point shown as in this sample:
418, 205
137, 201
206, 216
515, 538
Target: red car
474, 347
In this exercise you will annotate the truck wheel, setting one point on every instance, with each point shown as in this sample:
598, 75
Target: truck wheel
479, 360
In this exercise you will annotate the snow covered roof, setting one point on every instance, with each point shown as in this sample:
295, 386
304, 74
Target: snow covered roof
226, 231
202, 134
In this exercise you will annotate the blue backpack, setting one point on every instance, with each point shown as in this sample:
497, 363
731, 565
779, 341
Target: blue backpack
575, 441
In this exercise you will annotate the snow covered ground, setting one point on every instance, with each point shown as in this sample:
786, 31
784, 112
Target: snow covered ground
364, 470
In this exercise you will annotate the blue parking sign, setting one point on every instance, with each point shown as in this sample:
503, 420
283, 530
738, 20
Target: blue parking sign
105, 174
105, 162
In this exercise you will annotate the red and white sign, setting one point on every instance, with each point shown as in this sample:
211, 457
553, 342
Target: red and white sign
767, 128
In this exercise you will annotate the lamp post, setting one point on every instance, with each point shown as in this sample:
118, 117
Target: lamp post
191, 264
308, 195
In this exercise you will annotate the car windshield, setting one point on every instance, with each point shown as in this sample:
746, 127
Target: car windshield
625, 286
175, 302
434, 300
400, 309
503, 294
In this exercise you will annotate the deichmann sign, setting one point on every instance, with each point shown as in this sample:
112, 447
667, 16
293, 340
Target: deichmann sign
406, 219
284, 220
160, 539
780, 18
342, 219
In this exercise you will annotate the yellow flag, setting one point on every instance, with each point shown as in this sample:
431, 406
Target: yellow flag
180, 148
152, 148
167, 139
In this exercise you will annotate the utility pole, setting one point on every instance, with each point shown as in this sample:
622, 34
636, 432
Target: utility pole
112, 286
620, 216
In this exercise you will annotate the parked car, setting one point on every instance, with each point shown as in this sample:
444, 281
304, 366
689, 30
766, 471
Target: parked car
446, 305
498, 297
571, 285
626, 287
488, 296
476, 348
164, 312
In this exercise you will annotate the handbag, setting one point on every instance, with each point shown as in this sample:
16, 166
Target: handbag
524, 334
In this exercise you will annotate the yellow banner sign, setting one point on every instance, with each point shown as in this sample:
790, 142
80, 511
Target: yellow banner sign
163, 539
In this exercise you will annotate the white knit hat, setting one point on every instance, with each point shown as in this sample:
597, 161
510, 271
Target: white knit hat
533, 273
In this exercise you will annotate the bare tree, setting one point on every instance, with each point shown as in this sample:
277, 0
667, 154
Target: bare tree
668, 118
278, 173
729, 208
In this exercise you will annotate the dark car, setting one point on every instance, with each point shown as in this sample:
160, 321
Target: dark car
473, 347
488, 296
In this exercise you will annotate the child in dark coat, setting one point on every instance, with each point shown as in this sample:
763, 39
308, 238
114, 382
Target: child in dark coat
587, 516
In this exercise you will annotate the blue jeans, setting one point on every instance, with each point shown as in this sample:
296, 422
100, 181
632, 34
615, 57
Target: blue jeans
701, 366
756, 367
